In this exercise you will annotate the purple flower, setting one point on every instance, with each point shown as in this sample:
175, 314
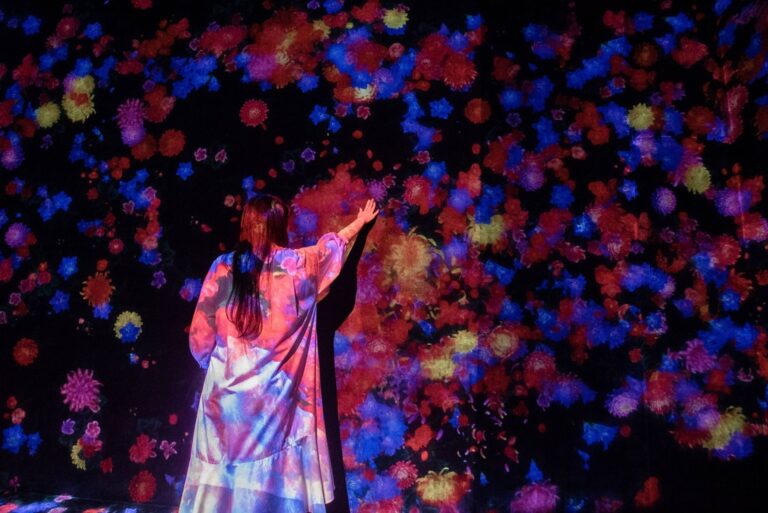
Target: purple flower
308, 154
201, 154
16, 235
68, 427
158, 279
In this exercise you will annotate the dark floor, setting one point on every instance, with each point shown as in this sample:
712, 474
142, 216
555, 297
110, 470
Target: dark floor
34, 503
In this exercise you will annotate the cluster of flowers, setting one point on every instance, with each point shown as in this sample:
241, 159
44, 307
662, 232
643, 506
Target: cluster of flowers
492, 288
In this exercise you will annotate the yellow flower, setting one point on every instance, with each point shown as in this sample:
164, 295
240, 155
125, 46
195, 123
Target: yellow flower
123, 319
731, 422
361, 94
322, 27
77, 461
640, 116
84, 84
504, 342
395, 18
464, 341
77, 106
487, 233
436, 362
443, 488
406, 265
697, 178
47, 114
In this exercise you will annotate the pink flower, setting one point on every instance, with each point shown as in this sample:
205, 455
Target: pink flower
697, 358
405, 472
81, 391
221, 155
92, 430
168, 448
201, 154
535, 498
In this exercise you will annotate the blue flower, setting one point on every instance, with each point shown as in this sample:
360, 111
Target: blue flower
434, 172
583, 226
385, 435
534, 474
318, 114
459, 199
92, 30
67, 267
721, 6
595, 433
184, 170
537, 98
679, 23
60, 301
510, 99
474, 21
308, 82
441, 108
729, 299
13, 439
561, 196
33, 442
643, 21
102, 311
31, 25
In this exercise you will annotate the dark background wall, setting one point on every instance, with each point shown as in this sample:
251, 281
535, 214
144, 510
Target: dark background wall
392, 353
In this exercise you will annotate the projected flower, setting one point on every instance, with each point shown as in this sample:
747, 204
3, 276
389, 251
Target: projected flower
81, 391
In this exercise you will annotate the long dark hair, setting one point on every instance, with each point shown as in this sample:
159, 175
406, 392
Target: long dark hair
264, 221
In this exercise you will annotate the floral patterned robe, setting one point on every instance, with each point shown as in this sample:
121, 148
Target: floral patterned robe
259, 442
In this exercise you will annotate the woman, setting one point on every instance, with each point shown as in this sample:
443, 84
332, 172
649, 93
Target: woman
259, 443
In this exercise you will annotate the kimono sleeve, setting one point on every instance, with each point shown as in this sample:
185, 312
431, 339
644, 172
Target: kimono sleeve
326, 258
202, 330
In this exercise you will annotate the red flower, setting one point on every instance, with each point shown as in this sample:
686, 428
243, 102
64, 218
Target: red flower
367, 55
106, 466
368, 12
419, 192
142, 486
67, 27
143, 449
504, 70
404, 472
254, 113
171, 143
690, 52
700, 120
659, 394
459, 71
421, 437
538, 368
223, 39
477, 110
145, 149
158, 105
649, 494
25, 351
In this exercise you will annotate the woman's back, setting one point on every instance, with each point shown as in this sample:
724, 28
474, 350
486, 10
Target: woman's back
260, 425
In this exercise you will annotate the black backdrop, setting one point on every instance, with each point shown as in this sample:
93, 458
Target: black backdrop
139, 400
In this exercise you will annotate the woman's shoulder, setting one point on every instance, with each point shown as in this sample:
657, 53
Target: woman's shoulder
223, 259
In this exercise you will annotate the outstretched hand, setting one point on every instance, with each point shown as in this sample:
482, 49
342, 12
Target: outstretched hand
368, 212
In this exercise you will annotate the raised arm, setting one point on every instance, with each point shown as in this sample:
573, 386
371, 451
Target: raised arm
331, 251
364, 215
